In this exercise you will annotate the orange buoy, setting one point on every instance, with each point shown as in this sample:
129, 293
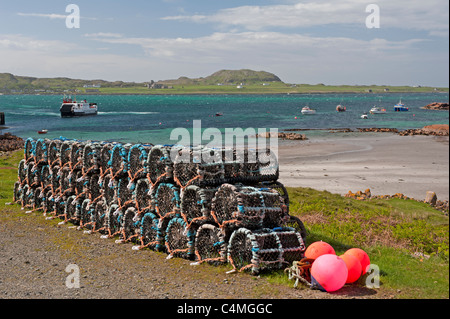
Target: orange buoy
318, 249
362, 256
353, 266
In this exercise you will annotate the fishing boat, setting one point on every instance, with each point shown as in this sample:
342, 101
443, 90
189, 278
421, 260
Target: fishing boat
377, 110
42, 132
400, 107
341, 108
70, 108
308, 110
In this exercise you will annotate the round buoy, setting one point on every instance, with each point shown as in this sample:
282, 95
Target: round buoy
362, 256
353, 266
329, 273
319, 248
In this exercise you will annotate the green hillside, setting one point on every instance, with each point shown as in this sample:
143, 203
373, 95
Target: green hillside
243, 81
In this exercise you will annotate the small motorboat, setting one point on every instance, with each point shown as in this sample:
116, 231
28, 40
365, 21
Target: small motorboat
364, 116
377, 110
400, 107
341, 108
219, 114
42, 132
308, 110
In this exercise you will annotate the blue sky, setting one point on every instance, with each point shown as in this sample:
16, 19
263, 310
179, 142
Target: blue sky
301, 41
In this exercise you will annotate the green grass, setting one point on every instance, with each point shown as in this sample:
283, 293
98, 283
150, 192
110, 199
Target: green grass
390, 231
259, 88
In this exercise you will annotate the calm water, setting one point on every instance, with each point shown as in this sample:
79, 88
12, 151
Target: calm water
150, 119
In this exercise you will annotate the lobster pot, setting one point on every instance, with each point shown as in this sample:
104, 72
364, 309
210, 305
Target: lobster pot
41, 151
54, 147
29, 149
142, 197
256, 166
210, 245
166, 198
17, 191
60, 206
85, 212
72, 205
65, 178
49, 202
124, 193
130, 225
38, 198
79, 182
45, 176
112, 220
107, 185
22, 171
137, 157
268, 165
195, 203
295, 223
231, 165
98, 215
91, 153
275, 211
237, 205
159, 165
76, 155
292, 244
118, 160
149, 231
198, 166
65, 153
179, 239
55, 177
255, 250
104, 157
27, 196
93, 187
279, 187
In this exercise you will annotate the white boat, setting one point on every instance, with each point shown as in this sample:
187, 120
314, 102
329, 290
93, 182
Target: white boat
364, 116
70, 107
308, 110
377, 110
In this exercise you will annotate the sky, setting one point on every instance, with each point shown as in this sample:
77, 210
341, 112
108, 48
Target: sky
334, 42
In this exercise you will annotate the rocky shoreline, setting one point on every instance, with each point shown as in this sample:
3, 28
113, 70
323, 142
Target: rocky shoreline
9, 143
430, 199
435, 130
437, 106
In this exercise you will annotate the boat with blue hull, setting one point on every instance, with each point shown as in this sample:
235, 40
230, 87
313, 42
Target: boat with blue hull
400, 107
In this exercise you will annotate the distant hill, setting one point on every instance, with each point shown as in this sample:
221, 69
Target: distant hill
11, 83
227, 77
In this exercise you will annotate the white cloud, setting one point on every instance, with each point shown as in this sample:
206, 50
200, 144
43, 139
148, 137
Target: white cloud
431, 15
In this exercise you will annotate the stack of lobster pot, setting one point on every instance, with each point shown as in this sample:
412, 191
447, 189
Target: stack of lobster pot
204, 204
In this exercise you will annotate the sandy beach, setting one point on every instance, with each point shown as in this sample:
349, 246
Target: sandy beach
386, 163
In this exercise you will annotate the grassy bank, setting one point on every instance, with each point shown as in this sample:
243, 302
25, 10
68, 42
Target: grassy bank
259, 88
406, 239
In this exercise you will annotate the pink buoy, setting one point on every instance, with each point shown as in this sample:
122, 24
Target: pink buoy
362, 257
319, 248
329, 273
353, 266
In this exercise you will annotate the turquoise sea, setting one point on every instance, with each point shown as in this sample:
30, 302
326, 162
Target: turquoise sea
151, 119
